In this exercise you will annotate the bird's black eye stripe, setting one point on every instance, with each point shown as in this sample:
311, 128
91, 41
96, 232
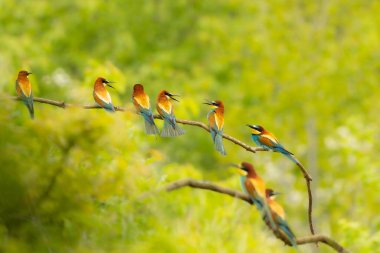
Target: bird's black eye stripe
258, 128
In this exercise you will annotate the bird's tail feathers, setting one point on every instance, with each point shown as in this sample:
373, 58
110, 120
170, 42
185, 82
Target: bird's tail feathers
282, 150
218, 143
283, 232
299, 164
31, 109
293, 158
109, 107
171, 130
29, 104
151, 128
289, 235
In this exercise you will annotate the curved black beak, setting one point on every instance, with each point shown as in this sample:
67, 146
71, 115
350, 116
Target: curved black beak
109, 85
273, 194
207, 102
250, 126
29, 73
234, 165
172, 96
241, 171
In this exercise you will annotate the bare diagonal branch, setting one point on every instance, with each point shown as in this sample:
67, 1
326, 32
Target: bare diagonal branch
204, 185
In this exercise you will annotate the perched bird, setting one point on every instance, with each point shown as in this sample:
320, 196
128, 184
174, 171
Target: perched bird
216, 122
165, 109
101, 95
267, 140
278, 216
141, 101
24, 90
254, 186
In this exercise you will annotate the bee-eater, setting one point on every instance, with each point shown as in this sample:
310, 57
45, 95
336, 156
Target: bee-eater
101, 95
141, 101
278, 216
24, 90
254, 186
165, 109
216, 123
267, 140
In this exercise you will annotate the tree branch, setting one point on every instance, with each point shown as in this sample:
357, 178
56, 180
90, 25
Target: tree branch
323, 239
239, 195
62, 104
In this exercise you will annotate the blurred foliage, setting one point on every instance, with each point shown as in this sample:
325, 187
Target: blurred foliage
82, 180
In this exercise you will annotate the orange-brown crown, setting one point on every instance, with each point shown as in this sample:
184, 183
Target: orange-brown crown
219, 103
248, 167
162, 98
23, 73
101, 80
165, 96
269, 193
138, 87
162, 94
220, 107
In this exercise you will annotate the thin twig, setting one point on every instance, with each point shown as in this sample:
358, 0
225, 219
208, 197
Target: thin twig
310, 207
203, 126
64, 105
239, 195
310, 196
323, 239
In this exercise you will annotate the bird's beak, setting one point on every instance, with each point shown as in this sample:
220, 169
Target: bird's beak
109, 85
254, 130
274, 195
240, 171
208, 102
172, 96
29, 73
234, 165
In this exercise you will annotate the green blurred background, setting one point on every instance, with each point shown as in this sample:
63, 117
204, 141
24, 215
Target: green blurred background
76, 180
